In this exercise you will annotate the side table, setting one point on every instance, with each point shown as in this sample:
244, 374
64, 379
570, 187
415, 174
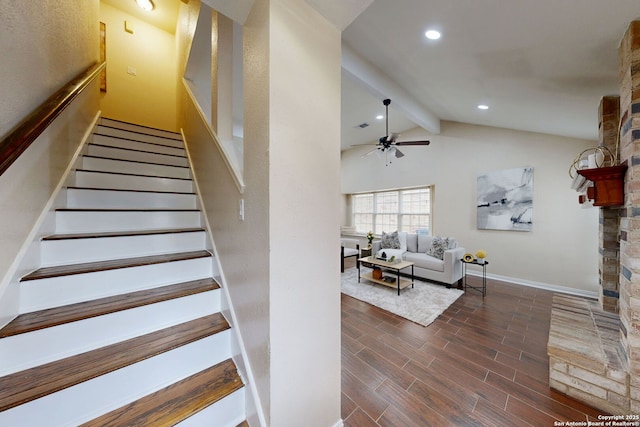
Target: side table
483, 287
364, 252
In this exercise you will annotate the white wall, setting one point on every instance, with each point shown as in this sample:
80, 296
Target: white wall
143, 98
280, 262
43, 45
562, 249
304, 185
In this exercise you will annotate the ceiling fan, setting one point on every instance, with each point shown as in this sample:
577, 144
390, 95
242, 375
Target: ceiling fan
388, 144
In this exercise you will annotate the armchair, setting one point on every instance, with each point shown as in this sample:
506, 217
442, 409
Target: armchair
348, 248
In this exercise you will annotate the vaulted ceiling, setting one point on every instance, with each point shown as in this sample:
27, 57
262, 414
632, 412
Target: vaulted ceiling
539, 65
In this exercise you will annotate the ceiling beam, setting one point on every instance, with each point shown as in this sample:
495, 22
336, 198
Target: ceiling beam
379, 84
237, 10
340, 13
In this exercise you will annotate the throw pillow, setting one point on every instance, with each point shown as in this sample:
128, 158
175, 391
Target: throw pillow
438, 246
390, 241
402, 238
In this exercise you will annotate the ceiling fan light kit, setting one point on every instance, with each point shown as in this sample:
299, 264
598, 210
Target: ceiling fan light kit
388, 144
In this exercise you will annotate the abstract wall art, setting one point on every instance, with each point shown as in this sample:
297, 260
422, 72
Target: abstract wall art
103, 56
505, 200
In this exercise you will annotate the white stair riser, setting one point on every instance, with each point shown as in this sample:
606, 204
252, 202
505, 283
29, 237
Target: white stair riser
227, 412
57, 291
139, 168
90, 399
131, 182
25, 351
105, 199
104, 221
138, 136
108, 123
74, 251
138, 145
117, 153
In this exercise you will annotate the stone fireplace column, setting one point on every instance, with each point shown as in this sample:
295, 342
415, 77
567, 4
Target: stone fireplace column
609, 260
629, 302
594, 353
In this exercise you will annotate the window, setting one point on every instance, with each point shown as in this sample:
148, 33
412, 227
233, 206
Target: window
404, 210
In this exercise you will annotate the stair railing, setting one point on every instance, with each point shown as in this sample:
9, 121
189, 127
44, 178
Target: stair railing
31, 127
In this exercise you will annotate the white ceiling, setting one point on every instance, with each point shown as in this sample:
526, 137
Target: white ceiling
541, 65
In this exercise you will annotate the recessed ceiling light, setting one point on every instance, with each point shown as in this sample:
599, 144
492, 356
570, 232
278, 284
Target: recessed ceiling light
145, 4
432, 34
483, 107
379, 117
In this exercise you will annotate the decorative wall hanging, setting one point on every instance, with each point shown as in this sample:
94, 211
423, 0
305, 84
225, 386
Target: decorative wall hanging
505, 200
103, 56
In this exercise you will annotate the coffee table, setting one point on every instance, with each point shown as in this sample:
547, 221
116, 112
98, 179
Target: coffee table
394, 267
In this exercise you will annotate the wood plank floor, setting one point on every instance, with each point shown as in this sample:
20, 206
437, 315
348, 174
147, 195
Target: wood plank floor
483, 362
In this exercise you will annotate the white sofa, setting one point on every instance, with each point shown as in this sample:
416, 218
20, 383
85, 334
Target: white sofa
447, 270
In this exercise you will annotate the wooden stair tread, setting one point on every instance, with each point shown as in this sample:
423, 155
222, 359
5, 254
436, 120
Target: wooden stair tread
154, 143
177, 402
175, 136
139, 151
41, 319
132, 174
130, 190
124, 210
122, 233
110, 125
91, 267
30, 384
134, 161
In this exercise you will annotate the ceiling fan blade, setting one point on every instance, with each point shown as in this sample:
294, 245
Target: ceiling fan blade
368, 153
413, 143
393, 137
360, 145
399, 154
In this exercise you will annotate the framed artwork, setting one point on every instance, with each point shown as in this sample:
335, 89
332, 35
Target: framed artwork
505, 200
103, 56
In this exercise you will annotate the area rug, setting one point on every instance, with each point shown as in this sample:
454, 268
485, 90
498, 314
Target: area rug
421, 304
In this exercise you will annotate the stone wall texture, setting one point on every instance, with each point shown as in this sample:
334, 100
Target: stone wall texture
594, 347
629, 302
609, 232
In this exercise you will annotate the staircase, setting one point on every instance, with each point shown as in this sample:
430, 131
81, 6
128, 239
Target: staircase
121, 325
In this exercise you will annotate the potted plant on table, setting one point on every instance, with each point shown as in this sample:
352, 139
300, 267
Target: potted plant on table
370, 237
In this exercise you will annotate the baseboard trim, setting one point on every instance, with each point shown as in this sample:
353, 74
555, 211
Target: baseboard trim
539, 285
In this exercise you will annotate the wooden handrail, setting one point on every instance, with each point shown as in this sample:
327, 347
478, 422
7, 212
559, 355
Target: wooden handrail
28, 130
